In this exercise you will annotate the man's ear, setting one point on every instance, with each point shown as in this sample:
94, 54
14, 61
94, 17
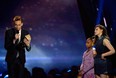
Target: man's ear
21, 24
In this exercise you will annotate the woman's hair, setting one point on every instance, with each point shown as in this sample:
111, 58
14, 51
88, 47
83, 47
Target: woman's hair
104, 33
104, 30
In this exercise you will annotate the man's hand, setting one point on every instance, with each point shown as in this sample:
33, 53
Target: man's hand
16, 37
27, 40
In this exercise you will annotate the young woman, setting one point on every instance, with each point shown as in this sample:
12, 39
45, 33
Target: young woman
87, 66
104, 49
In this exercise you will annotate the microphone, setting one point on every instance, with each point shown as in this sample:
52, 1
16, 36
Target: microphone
17, 40
93, 37
17, 31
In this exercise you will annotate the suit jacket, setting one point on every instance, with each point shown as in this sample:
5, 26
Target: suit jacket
12, 48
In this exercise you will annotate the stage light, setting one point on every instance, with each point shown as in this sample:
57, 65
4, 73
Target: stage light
0, 74
100, 11
6, 76
105, 23
69, 70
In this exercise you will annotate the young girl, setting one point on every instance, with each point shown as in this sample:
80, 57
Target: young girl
87, 66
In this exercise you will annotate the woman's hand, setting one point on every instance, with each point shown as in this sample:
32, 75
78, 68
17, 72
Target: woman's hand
103, 57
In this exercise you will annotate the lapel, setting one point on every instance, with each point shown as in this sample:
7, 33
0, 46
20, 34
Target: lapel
22, 35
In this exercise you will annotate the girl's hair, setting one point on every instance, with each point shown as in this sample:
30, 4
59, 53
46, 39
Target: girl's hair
90, 38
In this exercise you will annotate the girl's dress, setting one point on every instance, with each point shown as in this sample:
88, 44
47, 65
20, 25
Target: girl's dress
87, 65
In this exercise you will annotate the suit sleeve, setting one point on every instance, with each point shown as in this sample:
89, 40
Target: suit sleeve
28, 48
8, 44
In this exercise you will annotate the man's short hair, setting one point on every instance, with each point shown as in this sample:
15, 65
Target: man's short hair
17, 18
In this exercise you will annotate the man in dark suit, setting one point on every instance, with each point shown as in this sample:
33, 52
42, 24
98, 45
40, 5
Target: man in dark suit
16, 41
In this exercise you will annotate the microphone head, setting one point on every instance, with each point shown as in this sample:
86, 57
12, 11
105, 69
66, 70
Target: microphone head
17, 31
93, 37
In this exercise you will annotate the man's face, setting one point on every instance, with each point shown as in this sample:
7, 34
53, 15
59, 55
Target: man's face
18, 25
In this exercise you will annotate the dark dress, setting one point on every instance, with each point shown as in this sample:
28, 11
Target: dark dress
102, 66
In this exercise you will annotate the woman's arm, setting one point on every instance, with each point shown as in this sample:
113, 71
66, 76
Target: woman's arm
111, 51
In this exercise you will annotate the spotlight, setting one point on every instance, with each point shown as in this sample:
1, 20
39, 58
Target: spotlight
0, 75
6, 76
69, 70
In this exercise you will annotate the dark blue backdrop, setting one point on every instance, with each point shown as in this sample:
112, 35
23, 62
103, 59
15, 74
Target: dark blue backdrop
58, 39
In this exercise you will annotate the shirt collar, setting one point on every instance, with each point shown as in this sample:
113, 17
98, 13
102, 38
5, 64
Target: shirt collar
20, 31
